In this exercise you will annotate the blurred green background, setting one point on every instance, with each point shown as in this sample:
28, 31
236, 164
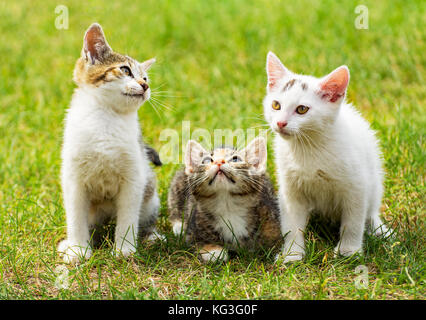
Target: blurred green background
211, 67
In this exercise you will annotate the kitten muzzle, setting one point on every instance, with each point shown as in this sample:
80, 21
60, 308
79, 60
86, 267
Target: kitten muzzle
220, 172
283, 132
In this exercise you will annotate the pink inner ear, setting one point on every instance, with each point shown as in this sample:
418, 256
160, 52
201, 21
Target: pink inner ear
95, 42
274, 69
334, 86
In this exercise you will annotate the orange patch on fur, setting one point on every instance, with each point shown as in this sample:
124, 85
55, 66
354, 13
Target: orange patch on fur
99, 73
210, 247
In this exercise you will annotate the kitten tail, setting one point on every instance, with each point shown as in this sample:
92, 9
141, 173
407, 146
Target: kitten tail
153, 156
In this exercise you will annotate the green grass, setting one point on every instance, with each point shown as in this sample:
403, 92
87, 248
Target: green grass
211, 59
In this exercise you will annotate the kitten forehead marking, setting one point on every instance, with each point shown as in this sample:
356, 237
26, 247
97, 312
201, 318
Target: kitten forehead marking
222, 152
291, 83
288, 85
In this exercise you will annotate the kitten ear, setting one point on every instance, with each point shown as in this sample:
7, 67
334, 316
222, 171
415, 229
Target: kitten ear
147, 64
193, 155
256, 154
333, 86
275, 70
95, 46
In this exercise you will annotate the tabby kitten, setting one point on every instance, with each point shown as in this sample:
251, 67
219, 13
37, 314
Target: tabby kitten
224, 200
105, 164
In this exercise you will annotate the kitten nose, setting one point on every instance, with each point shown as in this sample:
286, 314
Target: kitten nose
144, 85
219, 162
281, 124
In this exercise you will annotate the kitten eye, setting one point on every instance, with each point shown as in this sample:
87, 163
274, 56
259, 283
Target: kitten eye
236, 159
126, 71
276, 105
302, 109
207, 160
145, 79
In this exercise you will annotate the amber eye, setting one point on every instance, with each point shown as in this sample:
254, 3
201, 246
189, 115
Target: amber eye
276, 105
126, 71
302, 109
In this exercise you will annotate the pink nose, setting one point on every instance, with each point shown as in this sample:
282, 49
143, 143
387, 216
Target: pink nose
281, 124
220, 162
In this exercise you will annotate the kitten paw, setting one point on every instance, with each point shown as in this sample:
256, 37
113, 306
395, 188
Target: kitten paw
73, 253
347, 251
177, 228
289, 257
155, 235
124, 252
213, 254
383, 231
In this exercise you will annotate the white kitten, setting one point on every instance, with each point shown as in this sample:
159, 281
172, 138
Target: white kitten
327, 157
105, 169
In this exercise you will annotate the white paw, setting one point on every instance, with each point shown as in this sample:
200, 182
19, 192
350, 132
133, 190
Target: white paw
347, 251
383, 231
214, 255
125, 251
154, 236
72, 253
289, 257
177, 228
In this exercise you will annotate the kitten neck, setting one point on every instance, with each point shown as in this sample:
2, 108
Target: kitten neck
223, 202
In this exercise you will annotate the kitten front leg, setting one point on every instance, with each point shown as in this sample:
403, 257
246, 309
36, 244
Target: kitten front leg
177, 198
351, 229
377, 227
77, 207
294, 217
148, 218
212, 253
128, 207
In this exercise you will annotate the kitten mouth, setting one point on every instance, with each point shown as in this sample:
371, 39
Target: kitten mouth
220, 173
135, 95
284, 133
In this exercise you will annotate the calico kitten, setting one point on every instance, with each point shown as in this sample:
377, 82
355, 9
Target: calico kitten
223, 199
327, 157
105, 164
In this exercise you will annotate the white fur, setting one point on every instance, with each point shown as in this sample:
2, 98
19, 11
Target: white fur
103, 159
334, 169
215, 255
177, 228
231, 218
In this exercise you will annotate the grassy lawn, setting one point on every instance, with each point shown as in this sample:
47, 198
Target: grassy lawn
211, 71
